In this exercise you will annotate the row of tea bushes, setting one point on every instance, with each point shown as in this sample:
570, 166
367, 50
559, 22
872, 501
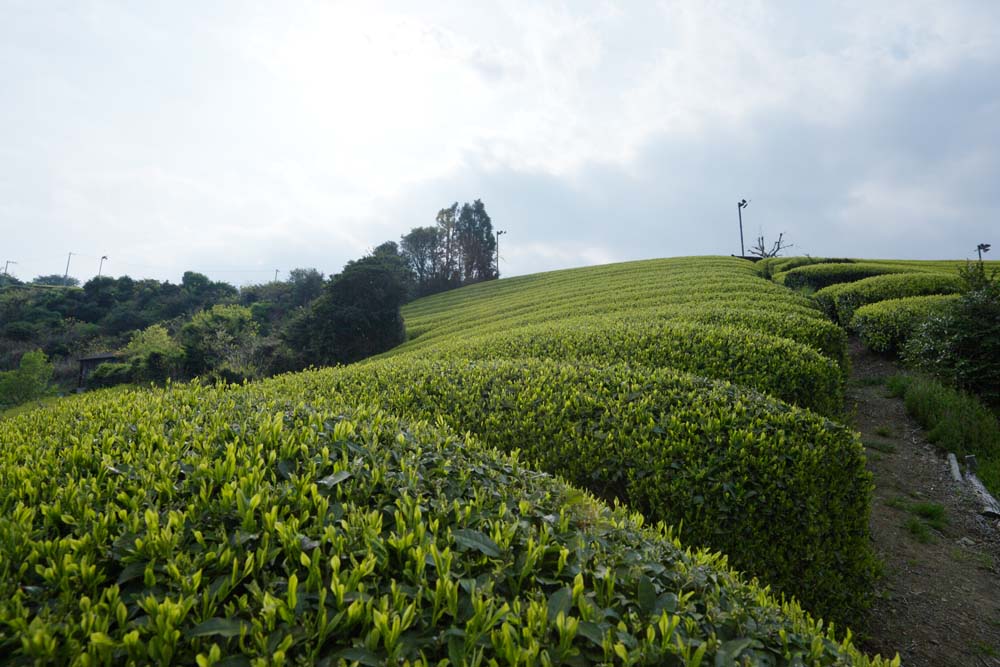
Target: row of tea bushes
629, 289
840, 301
782, 491
886, 325
778, 366
818, 276
271, 525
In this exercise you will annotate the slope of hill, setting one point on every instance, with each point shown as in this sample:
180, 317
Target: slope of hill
335, 515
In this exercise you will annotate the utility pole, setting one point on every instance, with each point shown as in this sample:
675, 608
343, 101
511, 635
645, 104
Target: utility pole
276, 275
6, 264
740, 205
101, 265
66, 275
499, 232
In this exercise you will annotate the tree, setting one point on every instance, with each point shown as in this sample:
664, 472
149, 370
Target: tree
447, 221
477, 242
153, 355
29, 381
358, 313
761, 250
307, 284
421, 249
55, 280
221, 341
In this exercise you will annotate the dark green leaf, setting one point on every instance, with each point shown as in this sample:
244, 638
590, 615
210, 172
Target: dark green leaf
468, 538
224, 627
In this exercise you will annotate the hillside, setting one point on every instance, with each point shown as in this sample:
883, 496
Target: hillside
427, 505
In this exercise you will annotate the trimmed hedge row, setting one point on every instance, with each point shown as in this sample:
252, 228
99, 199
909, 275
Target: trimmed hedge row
801, 326
818, 276
840, 301
250, 526
788, 370
773, 265
626, 289
885, 326
783, 492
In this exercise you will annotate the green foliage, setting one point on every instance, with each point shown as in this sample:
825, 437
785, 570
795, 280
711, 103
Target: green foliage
154, 355
956, 422
782, 491
770, 266
110, 374
220, 341
55, 280
842, 300
962, 345
28, 382
818, 276
779, 366
358, 315
211, 525
885, 326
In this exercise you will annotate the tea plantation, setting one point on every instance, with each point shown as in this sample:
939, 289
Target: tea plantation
495, 491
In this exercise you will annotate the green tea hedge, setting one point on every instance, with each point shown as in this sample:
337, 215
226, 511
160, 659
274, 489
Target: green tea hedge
818, 276
885, 326
840, 301
778, 366
251, 526
783, 492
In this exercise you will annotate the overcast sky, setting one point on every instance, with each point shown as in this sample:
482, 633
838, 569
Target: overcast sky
236, 138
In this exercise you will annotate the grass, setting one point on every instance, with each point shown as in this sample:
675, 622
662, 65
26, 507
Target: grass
919, 530
881, 446
884, 431
955, 421
924, 517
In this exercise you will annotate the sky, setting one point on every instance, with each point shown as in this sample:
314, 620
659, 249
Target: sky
242, 138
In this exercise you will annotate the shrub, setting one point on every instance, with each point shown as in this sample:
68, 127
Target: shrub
29, 381
885, 326
110, 374
251, 526
154, 355
774, 265
818, 276
778, 366
783, 492
840, 301
962, 344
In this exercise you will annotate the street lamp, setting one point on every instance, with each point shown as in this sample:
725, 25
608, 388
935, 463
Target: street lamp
981, 248
100, 266
499, 232
740, 205
66, 274
6, 264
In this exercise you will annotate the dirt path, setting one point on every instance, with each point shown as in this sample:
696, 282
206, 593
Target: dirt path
939, 601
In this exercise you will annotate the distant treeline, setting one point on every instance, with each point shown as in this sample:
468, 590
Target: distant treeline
203, 328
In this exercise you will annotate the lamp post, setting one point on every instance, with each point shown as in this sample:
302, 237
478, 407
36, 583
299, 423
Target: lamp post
499, 232
740, 205
981, 248
100, 267
66, 275
6, 264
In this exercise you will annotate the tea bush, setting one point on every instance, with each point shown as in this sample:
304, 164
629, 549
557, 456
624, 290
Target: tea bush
261, 525
783, 492
786, 369
840, 301
885, 326
818, 276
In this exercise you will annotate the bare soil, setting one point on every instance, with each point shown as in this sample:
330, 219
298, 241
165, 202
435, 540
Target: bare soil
939, 599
